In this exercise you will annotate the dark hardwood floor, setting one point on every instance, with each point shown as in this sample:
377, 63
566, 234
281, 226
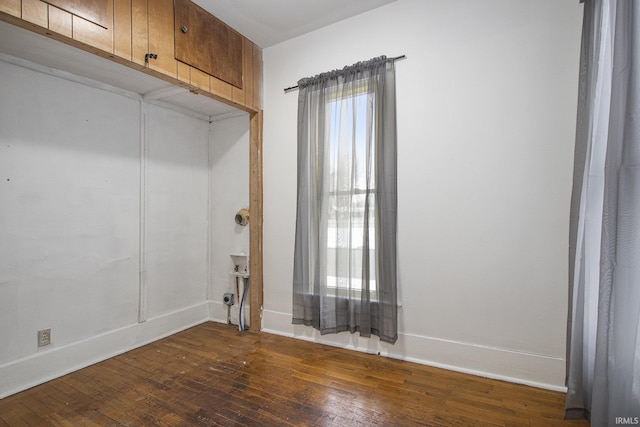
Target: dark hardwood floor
214, 375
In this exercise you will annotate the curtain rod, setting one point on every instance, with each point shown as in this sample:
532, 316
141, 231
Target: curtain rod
289, 89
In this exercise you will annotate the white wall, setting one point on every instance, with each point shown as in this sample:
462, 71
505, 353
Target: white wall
69, 228
176, 214
229, 193
486, 116
75, 193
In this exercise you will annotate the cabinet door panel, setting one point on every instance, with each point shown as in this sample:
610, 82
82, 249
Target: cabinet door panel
139, 31
122, 28
92, 34
35, 12
12, 7
96, 11
60, 21
208, 44
160, 18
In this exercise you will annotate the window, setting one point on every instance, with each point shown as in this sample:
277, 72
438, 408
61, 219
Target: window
351, 189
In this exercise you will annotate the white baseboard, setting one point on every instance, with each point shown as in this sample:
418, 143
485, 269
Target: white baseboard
518, 367
217, 311
541, 371
21, 374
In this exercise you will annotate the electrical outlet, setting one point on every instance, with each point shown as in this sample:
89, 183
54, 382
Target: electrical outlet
44, 337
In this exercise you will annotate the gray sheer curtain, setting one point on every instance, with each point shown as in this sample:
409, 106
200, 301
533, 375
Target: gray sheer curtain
603, 360
345, 242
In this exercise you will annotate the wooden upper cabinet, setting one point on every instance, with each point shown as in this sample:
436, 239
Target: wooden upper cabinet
96, 11
208, 44
175, 40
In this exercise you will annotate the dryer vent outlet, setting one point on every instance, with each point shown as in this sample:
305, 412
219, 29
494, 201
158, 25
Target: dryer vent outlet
228, 299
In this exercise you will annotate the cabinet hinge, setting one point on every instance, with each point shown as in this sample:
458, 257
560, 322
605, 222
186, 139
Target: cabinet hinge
150, 55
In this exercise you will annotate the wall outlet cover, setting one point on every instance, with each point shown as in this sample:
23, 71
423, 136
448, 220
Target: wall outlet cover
44, 337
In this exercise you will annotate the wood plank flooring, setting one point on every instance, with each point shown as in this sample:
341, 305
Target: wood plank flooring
213, 375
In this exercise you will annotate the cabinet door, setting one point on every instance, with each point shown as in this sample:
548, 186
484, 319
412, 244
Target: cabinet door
139, 31
96, 11
12, 7
160, 21
208, 44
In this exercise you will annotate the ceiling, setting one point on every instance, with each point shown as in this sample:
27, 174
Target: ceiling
269, 22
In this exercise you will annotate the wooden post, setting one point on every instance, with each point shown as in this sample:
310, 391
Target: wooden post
255, 221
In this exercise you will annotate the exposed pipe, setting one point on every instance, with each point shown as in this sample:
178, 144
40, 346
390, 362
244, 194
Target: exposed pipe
244, 292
